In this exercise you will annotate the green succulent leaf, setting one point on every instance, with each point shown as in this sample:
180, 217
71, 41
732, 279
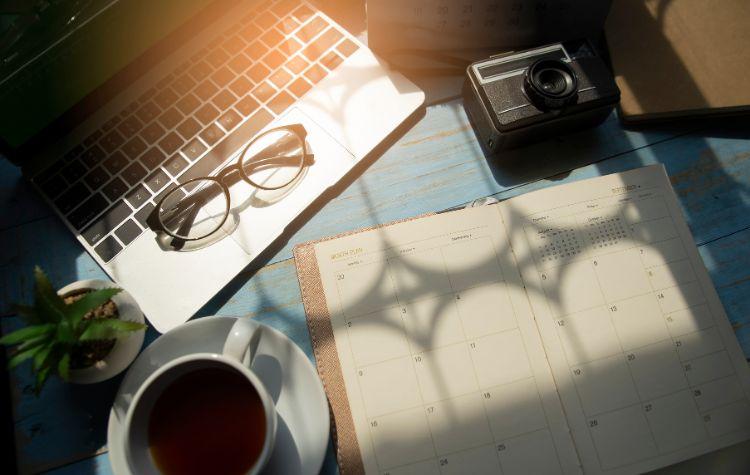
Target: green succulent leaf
36, 341
50, 307
109, 328
22, 356
88, 302
65, 332
27, 333
41, 378
63, 367
41, 357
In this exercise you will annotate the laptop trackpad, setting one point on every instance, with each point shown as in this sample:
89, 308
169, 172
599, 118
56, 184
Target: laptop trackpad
257, 217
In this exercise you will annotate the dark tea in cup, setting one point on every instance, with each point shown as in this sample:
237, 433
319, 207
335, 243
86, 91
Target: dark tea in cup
210, 420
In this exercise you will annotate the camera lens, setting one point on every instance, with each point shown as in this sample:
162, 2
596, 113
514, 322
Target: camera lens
551, 81
550, 84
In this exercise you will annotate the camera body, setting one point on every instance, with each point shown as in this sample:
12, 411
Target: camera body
531, 95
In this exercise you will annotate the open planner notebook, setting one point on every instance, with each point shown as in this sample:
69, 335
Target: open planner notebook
569, 330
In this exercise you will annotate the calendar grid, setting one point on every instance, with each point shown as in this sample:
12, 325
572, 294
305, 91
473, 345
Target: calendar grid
613, 231
402, 304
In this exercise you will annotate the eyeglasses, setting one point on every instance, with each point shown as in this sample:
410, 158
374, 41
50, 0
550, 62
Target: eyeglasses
199, 207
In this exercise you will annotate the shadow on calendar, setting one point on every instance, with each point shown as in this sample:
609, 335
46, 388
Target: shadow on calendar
571, 327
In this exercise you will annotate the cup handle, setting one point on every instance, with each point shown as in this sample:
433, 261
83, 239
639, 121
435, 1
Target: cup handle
244, 337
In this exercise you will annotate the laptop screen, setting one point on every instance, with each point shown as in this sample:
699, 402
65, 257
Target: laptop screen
54, 53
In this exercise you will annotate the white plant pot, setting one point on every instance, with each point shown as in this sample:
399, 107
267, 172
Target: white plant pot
125, 348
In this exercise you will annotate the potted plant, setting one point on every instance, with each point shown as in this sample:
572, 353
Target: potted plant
86, 332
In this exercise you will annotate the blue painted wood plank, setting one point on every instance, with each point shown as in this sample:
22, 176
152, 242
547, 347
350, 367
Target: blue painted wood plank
435, 166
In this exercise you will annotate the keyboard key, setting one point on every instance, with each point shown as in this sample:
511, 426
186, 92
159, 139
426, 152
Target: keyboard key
138, 196
189, 128
111, 123
234, 45
331, 60
216, 156
239, 63
148, 112
152, 158
303, 13
134, 173
217, 57
212, 134
130, 126
230, 119
250, 32
108, 249
274, 59
264, 91
72, 197
347, 48
183, 84
88, 211
115, 162
240, 86
296, 64
54, 186
285, 7
289, 46
188, 104
91, 139
128, 232
166, 98
299, 87
147, 95
315, 73
134, 147
256, 50
265, 20
105, 223
222, 76
193, 149
142, 215
311, 29
200, 71
322, 44
93, 156
73, 171
199, 55
130, 109
175, 165
164, 82
77, 150
223, 99
247, 105
96, 178
272, 38
258, 72
115, 189
157, 180
280, 78
281, 102
207, 113
171, 142
206, 90
170, 118
152, 133
112, 141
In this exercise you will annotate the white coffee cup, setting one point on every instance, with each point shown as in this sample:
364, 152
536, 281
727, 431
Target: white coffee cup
243, 339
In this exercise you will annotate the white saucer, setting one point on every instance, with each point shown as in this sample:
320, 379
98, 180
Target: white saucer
291, 380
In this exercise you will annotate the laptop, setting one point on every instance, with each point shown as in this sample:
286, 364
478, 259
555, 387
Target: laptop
117, 102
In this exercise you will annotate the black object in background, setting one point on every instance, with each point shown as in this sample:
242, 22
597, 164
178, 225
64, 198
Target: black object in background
531, 95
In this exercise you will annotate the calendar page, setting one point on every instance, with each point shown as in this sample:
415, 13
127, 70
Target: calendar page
646, 363
443, 366
448, 25
569, 330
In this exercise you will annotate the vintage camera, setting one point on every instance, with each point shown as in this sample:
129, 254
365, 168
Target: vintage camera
527, 96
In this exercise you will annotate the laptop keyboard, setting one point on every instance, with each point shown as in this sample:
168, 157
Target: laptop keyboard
182, 127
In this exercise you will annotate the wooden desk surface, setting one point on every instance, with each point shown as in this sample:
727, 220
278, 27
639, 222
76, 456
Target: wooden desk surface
436, 164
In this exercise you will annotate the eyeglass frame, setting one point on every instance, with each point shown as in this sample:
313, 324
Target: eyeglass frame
155, 224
